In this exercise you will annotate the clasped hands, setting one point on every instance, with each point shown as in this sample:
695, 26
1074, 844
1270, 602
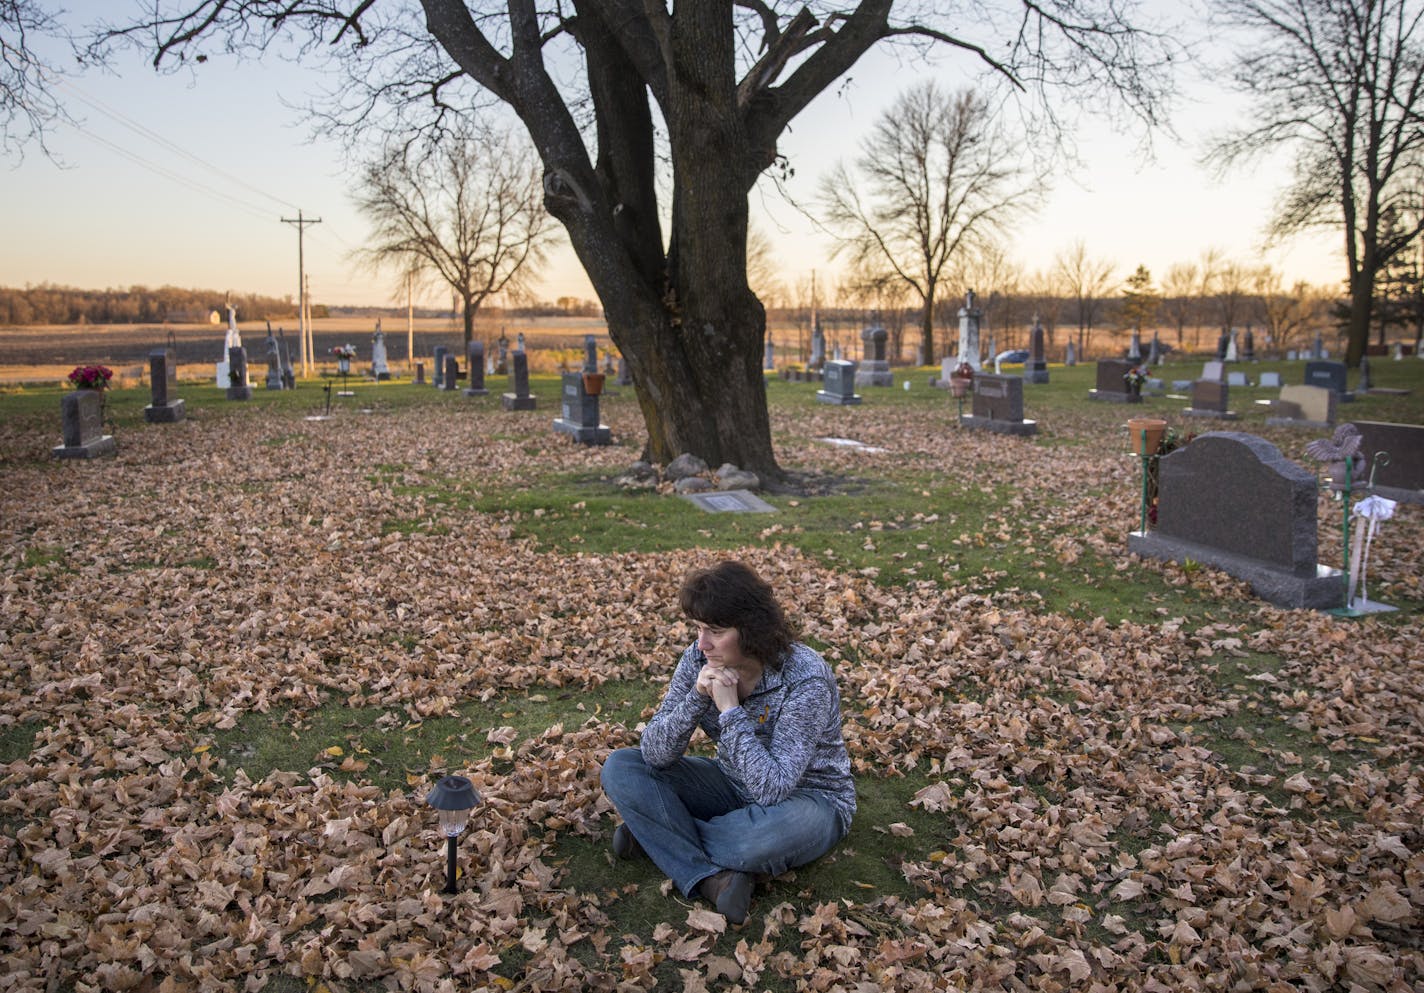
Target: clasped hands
722, 685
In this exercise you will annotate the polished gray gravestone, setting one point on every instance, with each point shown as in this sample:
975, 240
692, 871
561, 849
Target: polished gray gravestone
1231, 501
475, 360
1111, 384
1036, 368
1210, 399
1400, 476
161, 409
818, 346
874, 369
82, 427
520, 399
451, 380
439, 370
237, 388
274, 362
1334, 376
838, 384
998, 406
579, 413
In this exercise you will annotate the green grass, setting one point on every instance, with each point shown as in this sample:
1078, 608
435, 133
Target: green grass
17, 741
388, 747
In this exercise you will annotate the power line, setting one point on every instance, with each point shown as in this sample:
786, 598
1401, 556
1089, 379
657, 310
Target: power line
148, 133
169, 174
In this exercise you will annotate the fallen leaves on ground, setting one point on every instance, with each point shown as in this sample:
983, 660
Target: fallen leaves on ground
1088, 836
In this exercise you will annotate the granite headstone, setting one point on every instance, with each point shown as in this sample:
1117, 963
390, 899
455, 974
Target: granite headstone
1231, 500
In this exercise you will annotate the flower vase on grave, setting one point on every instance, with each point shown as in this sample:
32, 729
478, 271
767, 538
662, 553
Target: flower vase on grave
1146, 435
593, 383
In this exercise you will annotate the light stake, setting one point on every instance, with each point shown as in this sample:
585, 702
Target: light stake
454, 797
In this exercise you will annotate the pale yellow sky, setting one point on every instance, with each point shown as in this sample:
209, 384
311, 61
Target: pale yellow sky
171, 180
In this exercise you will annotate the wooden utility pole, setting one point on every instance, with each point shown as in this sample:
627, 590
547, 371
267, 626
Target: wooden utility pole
304, 329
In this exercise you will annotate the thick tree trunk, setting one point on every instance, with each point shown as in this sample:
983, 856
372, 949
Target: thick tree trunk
927, 331
1362, 286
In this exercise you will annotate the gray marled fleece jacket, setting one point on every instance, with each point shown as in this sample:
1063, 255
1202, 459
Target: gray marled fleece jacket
785, 736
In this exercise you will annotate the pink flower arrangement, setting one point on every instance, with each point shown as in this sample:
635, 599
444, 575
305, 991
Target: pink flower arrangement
91, 377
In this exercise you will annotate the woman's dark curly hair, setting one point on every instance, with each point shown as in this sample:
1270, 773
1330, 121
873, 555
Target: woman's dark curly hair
731, 595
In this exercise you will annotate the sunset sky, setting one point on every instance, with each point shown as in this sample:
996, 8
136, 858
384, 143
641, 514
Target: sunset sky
184, 180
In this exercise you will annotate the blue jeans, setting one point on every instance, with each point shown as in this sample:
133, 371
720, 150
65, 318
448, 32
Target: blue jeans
692, 824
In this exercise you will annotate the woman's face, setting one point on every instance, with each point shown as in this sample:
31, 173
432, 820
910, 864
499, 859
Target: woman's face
722, 646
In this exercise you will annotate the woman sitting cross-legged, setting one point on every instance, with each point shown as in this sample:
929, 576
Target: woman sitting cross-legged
779, 794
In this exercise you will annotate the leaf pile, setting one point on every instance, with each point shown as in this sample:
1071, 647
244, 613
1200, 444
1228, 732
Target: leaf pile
1095, 806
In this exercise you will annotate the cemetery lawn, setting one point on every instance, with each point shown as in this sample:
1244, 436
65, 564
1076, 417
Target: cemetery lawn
237, 656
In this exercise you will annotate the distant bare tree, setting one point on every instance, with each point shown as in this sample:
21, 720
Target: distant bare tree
1087, 280
28, 106
1340, 83
467, 210
1230, 285
1043, 293
1289, 314
935, 178
1179, 290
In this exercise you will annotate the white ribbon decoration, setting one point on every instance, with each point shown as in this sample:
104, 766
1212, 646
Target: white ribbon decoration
1373, 509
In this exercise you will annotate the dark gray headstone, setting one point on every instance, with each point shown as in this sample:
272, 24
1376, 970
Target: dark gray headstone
82, 427
1134, 348
998, 406
590, 353
274, 363
579, 413
520, 399
1110, 384
1232, 501
1248, 349
158, 376
440, 352
420, 374
475, 359
1333, 376
625, 372
1210, 398
874, 369
237, 374
838, 384
1036, 368
161, 410
1402, 478
452, 373
1222, 344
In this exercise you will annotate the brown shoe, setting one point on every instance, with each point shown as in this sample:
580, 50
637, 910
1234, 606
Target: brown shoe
625, 846
730, 892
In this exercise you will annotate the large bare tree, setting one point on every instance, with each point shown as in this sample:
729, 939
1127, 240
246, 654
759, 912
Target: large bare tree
467, 210
609, 88
1340, 84
936, 179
